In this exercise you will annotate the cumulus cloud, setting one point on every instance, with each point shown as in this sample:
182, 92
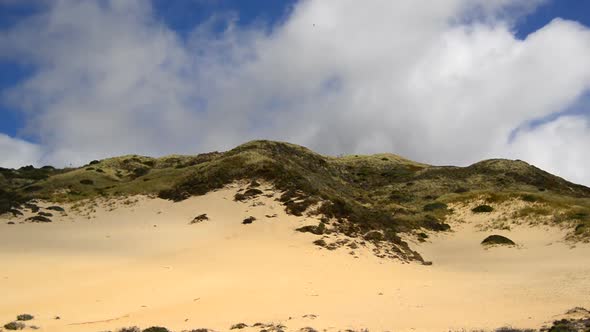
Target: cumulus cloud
444, 82
16, 153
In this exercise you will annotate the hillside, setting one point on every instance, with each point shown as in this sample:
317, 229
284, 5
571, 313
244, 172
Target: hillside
378, 197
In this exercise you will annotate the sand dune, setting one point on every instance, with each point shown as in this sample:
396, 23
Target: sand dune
141, 263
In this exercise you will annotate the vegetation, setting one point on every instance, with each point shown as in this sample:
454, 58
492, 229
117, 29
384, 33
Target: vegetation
24, 317
14, 326
156, 329
497, 240
130, 329
482, 209
248, 220
238, 326
200, 218
382, 192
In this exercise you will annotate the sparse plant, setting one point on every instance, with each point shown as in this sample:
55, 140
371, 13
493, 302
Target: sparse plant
200, 218
24, 317
14, 326
238, 326
482, 209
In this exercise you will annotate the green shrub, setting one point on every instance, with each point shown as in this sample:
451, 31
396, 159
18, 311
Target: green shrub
130, 329
56, 208
529, 198
434, 206
156, 329
317, 230
14, 326
249, 193
373, 236
139, 172
431, 223
24, 317
497, 240
38, 219
87, 182
482, 209
238, 326
199, 218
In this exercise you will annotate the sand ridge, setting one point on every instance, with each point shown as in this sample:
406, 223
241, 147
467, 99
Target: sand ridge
116, 264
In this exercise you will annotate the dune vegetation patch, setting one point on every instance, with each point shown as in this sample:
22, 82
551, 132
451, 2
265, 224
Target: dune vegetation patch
484, 208
382, 192
500, 240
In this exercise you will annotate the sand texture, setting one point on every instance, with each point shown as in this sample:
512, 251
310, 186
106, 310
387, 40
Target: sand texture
140, 262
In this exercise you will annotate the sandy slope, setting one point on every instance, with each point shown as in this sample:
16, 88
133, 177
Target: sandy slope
142, 264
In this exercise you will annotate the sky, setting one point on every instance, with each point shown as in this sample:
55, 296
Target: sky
449, 82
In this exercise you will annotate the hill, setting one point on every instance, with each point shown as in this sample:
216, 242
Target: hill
378, 197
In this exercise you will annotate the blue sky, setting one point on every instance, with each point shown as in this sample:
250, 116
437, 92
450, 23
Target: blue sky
82, 80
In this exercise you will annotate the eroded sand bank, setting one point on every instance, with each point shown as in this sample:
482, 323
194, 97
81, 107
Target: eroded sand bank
143, 264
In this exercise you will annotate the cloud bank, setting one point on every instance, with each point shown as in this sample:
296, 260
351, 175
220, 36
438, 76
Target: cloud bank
443, 82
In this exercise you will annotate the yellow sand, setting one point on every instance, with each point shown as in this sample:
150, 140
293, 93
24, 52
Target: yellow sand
141, 263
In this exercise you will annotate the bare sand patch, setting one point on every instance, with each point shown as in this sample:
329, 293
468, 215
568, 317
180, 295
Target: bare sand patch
111, 265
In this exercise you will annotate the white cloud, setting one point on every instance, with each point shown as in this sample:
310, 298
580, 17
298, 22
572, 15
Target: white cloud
16, 153
559, 147
441, 82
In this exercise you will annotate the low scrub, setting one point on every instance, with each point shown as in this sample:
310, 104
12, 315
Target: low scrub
317, 230
200, 218
13, 326
24, 317
482, 209
434, 206
497, 240
156, 329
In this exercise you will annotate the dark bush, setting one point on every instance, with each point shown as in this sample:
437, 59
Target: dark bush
15, 212
248, 220
14, 326
94, 162
250, 193
56, 208
529, 198
320, 242
156, 329
31, 189
373, 236
24, 317
482, 209
200, 218
434, 206
238, 326
38, 219
34, 208
45, 214
431, 223
317, 230
130, 329
86, 182
140, 171
461, 190
512, 329
99, 170
497, 239
563, 325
